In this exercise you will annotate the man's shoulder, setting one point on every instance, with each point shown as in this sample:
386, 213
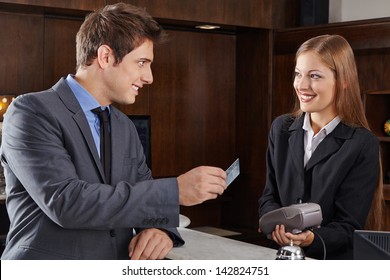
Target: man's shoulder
33, 97
46, 93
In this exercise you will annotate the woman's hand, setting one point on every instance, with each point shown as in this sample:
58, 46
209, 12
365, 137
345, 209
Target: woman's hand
303, 239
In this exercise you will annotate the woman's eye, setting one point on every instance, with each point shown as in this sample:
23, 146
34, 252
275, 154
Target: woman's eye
297, 75
141, 63
315, 76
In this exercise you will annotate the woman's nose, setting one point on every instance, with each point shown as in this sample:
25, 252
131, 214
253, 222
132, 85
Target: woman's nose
302, 83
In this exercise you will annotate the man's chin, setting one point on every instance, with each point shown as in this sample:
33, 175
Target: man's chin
124, 102
127, 101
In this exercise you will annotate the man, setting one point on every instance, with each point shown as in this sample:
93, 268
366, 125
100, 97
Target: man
62, 202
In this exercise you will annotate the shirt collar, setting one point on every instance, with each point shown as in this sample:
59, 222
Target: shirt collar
86, 100
327, 128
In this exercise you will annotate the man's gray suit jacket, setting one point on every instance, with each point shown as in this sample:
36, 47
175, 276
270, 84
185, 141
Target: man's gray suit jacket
58, 203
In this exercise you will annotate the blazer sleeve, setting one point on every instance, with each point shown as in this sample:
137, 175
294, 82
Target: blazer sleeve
270, 199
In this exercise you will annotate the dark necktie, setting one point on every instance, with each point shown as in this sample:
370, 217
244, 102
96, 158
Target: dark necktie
105, 142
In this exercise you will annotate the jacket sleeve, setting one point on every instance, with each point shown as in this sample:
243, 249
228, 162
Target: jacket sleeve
270, 199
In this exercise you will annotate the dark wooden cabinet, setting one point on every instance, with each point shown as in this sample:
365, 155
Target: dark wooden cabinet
377, 105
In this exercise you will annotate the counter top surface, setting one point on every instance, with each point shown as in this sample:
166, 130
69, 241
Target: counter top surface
204, 246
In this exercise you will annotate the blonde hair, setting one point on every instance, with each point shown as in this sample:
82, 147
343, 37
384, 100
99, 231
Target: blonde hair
336, 53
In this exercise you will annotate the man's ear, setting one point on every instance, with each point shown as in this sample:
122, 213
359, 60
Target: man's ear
105, 56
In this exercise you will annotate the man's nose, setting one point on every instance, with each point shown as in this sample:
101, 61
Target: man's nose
147, 76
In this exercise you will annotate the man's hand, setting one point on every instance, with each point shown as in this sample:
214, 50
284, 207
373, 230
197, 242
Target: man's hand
150, 244
201, 184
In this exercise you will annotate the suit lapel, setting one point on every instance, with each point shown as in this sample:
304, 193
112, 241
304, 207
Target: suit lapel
330, 144
326, 148
70, 101
117, 145
296, 145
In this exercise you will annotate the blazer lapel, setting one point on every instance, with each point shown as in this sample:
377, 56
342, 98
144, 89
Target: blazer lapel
117, 145
330, 144
70, 101
296, 145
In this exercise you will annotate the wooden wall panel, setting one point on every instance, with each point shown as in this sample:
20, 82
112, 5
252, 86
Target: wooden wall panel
253, 113
193, 102
60, 48
21, 48
248, 13
192, 108
85, 5
283, 92
215, 11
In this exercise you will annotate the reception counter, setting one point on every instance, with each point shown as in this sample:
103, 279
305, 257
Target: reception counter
204, 246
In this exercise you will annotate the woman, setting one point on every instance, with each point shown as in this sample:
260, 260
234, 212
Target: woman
324, 152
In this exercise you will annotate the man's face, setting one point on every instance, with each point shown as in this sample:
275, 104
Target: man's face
123, 80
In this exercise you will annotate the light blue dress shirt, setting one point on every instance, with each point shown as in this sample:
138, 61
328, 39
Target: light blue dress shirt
87, 103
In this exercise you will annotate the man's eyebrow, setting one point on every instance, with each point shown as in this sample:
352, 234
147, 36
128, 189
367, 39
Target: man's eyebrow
146, 59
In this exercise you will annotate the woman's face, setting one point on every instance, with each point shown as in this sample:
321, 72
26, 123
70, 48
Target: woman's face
315, 84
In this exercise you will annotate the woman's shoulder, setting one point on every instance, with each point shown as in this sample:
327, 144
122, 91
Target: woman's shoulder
365, 134
283, 122
357, 136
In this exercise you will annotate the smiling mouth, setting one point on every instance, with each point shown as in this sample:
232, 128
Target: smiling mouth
306, 97
135, 87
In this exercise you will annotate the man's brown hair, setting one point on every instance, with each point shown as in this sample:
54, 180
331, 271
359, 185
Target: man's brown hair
121, 26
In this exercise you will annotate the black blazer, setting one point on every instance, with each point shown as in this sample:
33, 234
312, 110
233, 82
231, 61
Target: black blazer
341, 176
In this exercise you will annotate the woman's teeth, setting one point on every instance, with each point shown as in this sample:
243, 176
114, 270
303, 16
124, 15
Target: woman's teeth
305, 97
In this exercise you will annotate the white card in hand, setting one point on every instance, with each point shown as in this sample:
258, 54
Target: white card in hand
232, 172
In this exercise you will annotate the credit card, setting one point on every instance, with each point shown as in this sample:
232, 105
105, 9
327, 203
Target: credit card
232, 172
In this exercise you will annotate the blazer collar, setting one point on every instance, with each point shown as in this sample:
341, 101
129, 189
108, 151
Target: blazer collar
328, 146
66, 95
